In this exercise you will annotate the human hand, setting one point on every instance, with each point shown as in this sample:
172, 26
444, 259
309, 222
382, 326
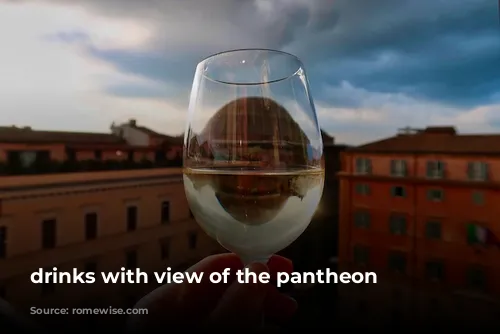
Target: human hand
223, 306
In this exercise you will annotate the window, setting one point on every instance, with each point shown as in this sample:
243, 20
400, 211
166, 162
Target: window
397, 262
90, 267
476, 278
165, 212
477, 233
477, 171
70, 154
131, 259
98, 154
361, 255
3, 242
131, 156
91, 226
363, 166
434, 270
433, 229
165, 248
362, 189
362, 219
131, 218
28, 158
435, 195
49, 230
192, 240
397, 224
435, 169
398, 191
398, 168
478, 197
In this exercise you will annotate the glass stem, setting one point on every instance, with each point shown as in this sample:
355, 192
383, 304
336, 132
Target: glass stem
249, 260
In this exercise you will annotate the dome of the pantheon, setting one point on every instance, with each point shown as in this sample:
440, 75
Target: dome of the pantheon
237, 129
254, 119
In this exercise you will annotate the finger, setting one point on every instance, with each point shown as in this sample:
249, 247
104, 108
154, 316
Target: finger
203, 297
195, 300
279, 264
243, 304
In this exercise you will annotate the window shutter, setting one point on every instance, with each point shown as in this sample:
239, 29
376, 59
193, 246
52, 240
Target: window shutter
486, 171
369, 163
393, 167
405, 169
430, 168
470, 170
443, 171
429, 194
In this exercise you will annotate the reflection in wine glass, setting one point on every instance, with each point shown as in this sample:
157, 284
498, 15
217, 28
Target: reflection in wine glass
253, 155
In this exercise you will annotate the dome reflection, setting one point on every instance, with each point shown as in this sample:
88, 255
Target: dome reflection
254, 156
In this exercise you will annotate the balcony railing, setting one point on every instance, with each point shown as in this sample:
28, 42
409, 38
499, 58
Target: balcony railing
58, 167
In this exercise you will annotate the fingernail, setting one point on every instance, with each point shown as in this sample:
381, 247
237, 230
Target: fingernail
257, 268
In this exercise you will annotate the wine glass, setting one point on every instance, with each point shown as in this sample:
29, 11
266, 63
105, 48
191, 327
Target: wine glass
253, 152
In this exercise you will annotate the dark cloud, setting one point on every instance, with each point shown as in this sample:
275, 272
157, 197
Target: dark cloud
451, 54
444, 51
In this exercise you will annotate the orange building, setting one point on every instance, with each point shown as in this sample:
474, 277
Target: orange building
94, 202
24, 150
406, 205
98, 221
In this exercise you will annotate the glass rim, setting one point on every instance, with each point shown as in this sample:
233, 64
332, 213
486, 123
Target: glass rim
283, 53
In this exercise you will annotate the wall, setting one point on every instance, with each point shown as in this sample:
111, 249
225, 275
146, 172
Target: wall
108, 194
454, 213
57, 151
134, 136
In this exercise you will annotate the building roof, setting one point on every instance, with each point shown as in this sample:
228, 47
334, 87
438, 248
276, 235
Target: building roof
327, 139
260, 126
153, 134
30, 136
434, 140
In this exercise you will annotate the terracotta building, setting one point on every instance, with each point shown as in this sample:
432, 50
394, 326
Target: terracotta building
98, 221
92, 202
420, 209
25, 150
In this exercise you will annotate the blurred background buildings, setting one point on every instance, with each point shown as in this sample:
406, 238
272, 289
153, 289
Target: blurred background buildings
418, 209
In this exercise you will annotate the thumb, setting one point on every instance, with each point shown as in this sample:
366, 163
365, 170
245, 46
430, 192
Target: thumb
242, 304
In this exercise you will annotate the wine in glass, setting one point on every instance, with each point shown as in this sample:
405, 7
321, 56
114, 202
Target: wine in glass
253, 153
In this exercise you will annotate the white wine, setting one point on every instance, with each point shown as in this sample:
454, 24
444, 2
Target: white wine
254, 213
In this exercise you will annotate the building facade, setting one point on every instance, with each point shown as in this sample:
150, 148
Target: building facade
93, 202
24, 150
408, 207
94, 222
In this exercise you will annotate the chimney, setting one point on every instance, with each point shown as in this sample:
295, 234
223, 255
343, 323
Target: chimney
132, 122
441, 130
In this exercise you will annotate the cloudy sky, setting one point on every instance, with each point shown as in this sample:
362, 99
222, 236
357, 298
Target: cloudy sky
373, 65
